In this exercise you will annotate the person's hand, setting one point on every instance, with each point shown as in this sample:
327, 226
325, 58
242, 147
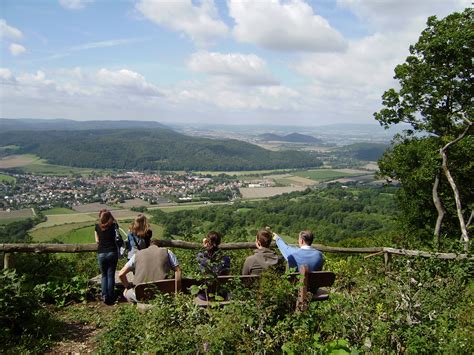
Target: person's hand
274, 236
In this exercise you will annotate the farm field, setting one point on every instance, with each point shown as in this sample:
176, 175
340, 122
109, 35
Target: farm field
244, 172
60, 219
91, 207
6, 178
58, 210
13, 216
290, 180
44, 234
262, 192
15, 161
79, 232
136, 202
30, 163
323, 174
182, 208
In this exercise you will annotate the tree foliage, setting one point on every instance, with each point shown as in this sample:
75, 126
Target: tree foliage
435, 98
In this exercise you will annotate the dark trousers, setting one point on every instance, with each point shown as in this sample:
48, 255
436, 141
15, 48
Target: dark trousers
107, 266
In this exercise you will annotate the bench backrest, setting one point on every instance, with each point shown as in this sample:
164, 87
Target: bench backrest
146, 291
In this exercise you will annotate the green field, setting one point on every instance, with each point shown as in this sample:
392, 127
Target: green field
44, 234
7, 178
181, 208
43, 168
58, 210
321, 174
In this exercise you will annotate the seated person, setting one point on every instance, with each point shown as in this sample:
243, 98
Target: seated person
304, 255
212, 263
263, 257
150, 264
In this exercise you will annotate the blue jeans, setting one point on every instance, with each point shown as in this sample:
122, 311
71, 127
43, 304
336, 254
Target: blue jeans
107, 266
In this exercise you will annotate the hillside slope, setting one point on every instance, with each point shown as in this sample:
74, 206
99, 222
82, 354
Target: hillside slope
150, 149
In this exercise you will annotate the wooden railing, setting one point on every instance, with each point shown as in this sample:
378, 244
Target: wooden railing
8, 249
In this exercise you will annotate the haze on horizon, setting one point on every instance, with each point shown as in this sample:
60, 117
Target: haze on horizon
219, 62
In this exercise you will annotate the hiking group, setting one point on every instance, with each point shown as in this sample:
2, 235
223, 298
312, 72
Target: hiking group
149, 262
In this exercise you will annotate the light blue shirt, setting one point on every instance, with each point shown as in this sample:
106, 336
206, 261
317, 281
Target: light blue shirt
296, 257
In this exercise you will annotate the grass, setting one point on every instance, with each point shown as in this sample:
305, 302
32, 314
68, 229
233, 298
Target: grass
6, 178
321, 174
60, 219
56, 232
4, 221
30, 163
181, 208
58, 210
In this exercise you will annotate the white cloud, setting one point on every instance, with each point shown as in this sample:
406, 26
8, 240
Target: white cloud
200, 22
9, 32
17, 49
283, 26
245, 69
6, 75
74, 4
393, 14
127, 81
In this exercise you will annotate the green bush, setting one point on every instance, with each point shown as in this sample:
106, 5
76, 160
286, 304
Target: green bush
25, 325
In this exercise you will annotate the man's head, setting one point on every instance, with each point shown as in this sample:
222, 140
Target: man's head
305, 238
264, 238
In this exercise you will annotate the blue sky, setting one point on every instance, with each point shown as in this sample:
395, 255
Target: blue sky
263, 62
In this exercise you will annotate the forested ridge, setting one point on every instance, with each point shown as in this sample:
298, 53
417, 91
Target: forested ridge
151, 149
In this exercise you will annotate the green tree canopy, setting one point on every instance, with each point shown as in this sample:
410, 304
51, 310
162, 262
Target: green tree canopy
435, 97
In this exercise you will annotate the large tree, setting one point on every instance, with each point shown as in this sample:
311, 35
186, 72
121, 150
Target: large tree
435, 96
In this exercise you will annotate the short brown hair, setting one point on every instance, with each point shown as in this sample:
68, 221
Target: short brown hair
264, 237
307, 237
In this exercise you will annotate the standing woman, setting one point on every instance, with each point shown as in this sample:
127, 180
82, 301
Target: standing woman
139, 235
107, 254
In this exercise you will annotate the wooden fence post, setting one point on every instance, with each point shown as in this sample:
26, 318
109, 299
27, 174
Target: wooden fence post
387, 257
7, 260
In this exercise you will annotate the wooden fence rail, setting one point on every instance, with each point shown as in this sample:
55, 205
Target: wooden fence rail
7, 249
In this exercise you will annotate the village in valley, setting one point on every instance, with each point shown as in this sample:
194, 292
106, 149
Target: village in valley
44, 192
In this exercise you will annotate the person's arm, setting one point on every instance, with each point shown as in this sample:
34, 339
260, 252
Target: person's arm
285, 250
96, 237
174, 263
129, 266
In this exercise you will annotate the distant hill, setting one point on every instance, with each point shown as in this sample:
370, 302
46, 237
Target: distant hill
365, 151
291, 138
34, 124
150, 149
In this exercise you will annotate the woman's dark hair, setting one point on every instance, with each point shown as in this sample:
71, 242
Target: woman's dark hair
106, 220
213, 239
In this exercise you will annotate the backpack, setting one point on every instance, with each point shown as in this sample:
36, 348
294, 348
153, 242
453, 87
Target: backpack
119, 242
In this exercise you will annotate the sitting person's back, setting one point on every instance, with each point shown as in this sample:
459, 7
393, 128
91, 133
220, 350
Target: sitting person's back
212, 263
150, 264
263, 257
304, 255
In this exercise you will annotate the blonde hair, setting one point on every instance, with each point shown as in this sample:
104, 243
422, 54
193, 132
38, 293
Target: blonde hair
140, 226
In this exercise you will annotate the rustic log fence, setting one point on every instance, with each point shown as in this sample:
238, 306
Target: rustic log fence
387, 252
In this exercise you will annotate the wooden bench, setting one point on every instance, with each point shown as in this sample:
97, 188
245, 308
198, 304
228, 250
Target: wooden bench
310, 282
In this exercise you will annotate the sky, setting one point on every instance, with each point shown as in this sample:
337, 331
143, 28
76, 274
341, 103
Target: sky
281, 62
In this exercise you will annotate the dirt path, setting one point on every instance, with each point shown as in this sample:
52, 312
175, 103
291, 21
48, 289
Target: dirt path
81, 326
